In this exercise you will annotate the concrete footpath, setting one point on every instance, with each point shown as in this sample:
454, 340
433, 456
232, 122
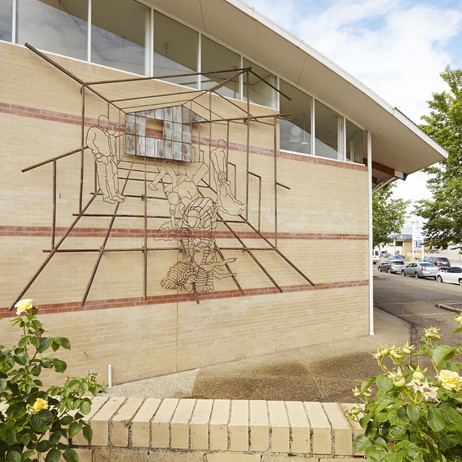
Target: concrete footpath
325, 372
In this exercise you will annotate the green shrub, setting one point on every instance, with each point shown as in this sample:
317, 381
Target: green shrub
413, 414
38, 423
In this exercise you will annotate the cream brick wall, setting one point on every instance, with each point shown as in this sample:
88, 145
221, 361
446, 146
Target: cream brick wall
253, 431
322, 220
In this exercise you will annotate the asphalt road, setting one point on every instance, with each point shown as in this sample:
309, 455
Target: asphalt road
415, 301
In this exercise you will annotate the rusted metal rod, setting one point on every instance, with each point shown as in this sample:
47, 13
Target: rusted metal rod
100, 255
54, 250
74, 151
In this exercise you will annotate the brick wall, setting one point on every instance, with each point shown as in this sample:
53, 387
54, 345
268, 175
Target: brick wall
321, 223
178, 430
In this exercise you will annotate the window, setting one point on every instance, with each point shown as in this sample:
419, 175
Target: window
259, 90
354, 143
215, 57
295, 129
175, 50
120, 35
329, 132
59, 26
6, 16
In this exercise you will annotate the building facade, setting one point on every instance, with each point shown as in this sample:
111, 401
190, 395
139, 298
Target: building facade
169, 183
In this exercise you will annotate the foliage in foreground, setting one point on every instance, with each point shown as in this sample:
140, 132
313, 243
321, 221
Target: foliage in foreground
414, 415
37, 423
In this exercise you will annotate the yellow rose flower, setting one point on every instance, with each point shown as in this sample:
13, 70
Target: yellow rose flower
39, 405
23, 305
450, 380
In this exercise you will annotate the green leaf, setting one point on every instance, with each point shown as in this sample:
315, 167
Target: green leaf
365, 384
359, 444
17, 410
374, 455
384, 383
26, 455
13, 456
73, 383
3, 384
396, 432
382, 405
70, 455
395, 456
23, 341
74, 429
41, 421
396, 418
55, 437
453, 416
35, 341
85, 407
21, 358
43, 446
44, 344
88, 433
442, 353
60, 366
413, 413
412, 451
66, 420
53, 456
9, 435
64, 342
436, 419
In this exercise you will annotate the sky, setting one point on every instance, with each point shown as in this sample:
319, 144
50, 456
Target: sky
397, 48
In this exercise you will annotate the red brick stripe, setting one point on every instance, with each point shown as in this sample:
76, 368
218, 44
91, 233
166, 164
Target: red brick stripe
24, 111
45, 231
179, 298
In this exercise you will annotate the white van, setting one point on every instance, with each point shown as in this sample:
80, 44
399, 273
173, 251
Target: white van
375, 256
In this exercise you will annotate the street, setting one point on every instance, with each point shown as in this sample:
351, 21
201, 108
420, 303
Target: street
415, 300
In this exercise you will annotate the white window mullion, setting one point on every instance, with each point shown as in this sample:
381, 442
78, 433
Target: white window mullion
151, 45
14, 22
313, 128
89, 20
148, 42
241, 80
199, 62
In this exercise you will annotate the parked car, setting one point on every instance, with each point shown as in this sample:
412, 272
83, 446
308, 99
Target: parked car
441, 262
421, 270
451, 276
391, 266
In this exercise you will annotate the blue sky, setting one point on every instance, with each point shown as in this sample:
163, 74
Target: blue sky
397, 48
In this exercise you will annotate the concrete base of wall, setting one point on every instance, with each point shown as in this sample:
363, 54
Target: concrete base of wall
180, 430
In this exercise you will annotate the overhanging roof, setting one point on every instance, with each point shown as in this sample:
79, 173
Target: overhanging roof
397, 143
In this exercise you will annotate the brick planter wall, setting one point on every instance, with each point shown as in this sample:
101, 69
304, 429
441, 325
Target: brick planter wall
177, 430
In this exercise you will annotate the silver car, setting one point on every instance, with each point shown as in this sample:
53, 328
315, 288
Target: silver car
421, 270
451, 276
392, 266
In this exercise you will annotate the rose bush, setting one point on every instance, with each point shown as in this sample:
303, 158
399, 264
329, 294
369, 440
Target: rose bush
412, 410
37, 423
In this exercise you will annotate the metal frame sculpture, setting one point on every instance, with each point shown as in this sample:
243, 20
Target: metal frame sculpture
200, 188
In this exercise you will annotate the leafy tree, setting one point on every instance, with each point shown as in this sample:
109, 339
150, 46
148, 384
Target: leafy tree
442, 213
388, 214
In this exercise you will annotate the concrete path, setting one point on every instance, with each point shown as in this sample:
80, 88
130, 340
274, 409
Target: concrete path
325, 372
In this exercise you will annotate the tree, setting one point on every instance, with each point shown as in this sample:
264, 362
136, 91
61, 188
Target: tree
442, 213
388, 214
